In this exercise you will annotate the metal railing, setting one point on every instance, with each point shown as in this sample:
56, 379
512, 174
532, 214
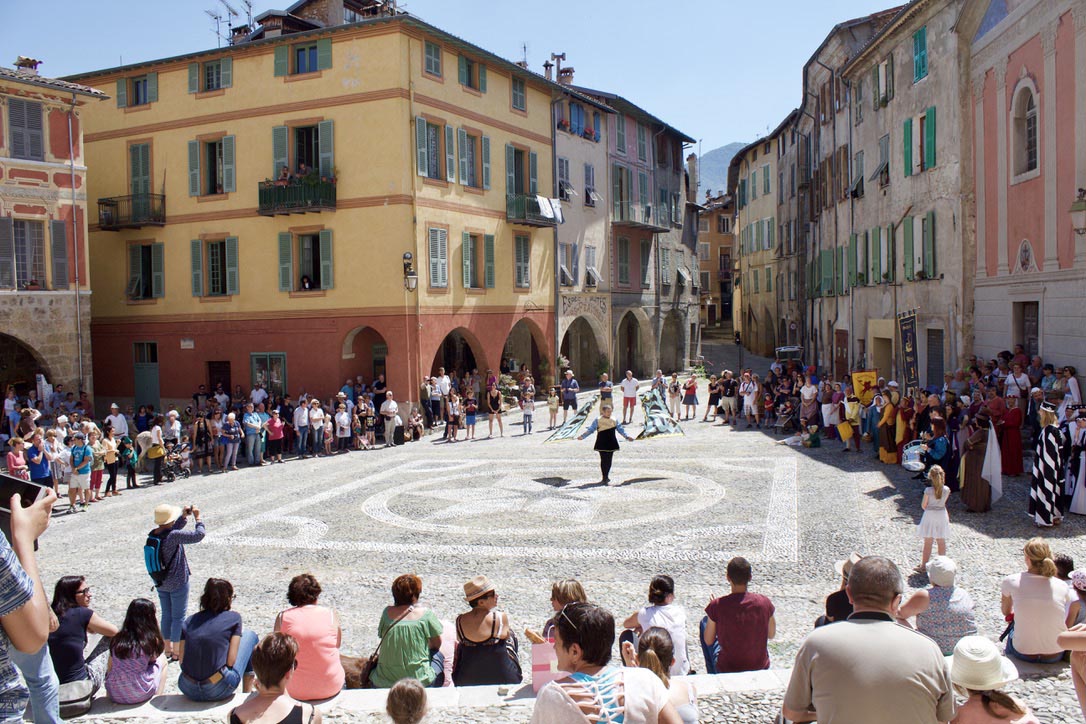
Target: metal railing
132, 211
633, 212
296, 197
524, 209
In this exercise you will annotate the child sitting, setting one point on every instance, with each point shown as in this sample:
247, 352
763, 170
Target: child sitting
814, 438
186, 453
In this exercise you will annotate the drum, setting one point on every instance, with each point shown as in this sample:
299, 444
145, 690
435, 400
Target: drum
910, 456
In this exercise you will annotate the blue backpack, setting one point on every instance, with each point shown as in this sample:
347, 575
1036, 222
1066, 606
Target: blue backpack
157, 568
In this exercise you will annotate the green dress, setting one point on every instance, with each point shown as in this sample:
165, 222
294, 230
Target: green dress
405, 650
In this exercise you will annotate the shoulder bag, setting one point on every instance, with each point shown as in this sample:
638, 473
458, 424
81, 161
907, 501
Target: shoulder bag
357, 670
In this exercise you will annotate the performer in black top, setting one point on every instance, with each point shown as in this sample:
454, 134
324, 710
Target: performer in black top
607, 430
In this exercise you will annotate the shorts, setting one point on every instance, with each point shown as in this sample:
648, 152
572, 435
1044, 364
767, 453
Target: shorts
79, 481
569, 404
629, 402
728, 404
469, 418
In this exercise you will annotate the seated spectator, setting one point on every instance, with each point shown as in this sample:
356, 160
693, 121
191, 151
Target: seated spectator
870, 669
594, 690
406, 702
838, 605
1038, 601
1064, 565
736, 629
979, 672
1074, 641
944, 612
275, 665
486, 647
137, 664
664, 613
1076, 611
71, 604
214, 651
656, 652
563, 593
410, 639
318, 635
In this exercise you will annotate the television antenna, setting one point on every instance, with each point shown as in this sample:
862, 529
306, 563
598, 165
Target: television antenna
218, 25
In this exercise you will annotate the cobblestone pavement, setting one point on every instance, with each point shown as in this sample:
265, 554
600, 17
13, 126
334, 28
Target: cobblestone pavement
526, 513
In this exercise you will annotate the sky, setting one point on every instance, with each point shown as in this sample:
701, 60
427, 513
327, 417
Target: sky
718, 70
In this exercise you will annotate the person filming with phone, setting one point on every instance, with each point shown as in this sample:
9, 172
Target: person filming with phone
164, 555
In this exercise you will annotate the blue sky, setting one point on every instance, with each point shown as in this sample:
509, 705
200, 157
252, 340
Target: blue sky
718, 70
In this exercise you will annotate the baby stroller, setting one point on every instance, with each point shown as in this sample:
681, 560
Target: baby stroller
787, 420
172, 467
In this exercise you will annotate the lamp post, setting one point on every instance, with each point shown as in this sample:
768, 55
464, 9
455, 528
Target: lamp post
1078, 213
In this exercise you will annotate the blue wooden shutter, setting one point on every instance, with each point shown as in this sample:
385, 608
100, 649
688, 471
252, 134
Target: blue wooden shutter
876, 254
462, 153
135, 268
510, 170
484, 142
282, 60
466, 254
420, 146
324, 54
229, 176
929, 245
158, 270
326, 148
463, 70
907, 147
194, 168
450, 155
232, 264
194, 77
196, 248
910, 258
929, 138
122, 92
533, 167
280, 150
488, 260
482, 78
58, 247
152, 87
327, 265
226, 72
286, 261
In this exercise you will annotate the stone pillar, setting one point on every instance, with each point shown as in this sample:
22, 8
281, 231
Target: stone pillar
981, 199
1001, 163
1048, 109
1080, 120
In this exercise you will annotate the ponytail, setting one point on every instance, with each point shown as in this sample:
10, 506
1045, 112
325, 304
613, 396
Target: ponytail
648, 659
1040, 558
656, 652
1047, 568
938, 479
987, 698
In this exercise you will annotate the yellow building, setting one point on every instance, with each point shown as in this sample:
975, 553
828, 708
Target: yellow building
716, 246
320, 200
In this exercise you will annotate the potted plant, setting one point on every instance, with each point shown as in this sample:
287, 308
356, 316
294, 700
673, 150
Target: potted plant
563, 124
861, 280
32, 286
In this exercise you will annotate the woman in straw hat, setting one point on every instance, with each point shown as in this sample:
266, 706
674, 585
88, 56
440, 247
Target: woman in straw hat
979, 672
173, 591
486, 646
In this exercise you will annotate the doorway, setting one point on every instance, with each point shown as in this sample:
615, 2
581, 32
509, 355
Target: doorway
882, 355
218, 373
145, 373
840, 354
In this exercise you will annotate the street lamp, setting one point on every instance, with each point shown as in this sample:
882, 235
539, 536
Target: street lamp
1078, 213
410, 276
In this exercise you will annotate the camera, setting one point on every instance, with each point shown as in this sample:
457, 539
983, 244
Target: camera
187, 510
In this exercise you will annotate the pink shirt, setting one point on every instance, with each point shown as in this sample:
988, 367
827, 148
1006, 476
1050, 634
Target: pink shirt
319, 674
275, 428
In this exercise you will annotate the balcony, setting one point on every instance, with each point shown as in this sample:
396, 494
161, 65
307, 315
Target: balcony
131, 212
632, 213
296, 196
524, 209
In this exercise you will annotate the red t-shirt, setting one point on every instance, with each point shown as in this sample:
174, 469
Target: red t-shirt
742, 628
275, 429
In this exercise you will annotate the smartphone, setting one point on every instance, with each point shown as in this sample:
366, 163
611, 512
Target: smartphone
10, 485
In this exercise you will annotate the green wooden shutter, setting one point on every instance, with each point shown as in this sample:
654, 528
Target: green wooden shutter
194, 168
827, 273
929, 245
909, 256
135, 267
194, 77
280, 150
58, 248
139, 157
466, 259
852, 260
420, 145
226, 72
324, 54
891, 252
326, 148
122, 92
152, 87
158, 270
875, 89
842, 277
286, 261
327, 262
450, 155
929, 138
7, 252
282, 60
488, 260
510, 170
196, 248
463, 70
890, 77
482, 78
533, 175
435, 263
229, 175
876, 254
231, 265
461, 152
907, 147
484, 142
772, 233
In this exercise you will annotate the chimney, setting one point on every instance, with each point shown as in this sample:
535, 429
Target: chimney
692, 169
523, 64
565, 75
239, 34
27, 66
547, 70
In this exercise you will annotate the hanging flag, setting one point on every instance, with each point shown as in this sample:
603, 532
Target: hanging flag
658, 421
574, 424
992, 471
865, 384
906, 328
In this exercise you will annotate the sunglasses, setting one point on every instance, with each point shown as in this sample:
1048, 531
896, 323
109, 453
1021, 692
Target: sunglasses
83, 591
564, 615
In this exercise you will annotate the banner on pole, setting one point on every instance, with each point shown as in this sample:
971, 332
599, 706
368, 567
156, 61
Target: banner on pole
865, 383
658, 421
906, 327
574, 424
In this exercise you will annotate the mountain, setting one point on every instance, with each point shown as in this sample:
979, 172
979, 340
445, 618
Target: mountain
713, 167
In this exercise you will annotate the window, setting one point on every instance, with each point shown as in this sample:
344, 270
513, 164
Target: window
768, 147
1025, 132
270, 370
214, 267
566, 258
472, 75
590, 194
768, 279
703, 251
137, 91
522, 259
857, 188
646, 258
703, 225
591, 272
304, 58
723, 224
565, 188
211, 167
858, 101
624, 260
780, 187
521, 171
145, 353
620, 133
146, 275
520, 95
923, 148
22, 244
676, 210
766, 180
303, 149
882, 82
470, 248
473, 152
314, 266
211, 76
25, 129
665, 266
433, 59
435, 153
439, 257
642, 143
920, 54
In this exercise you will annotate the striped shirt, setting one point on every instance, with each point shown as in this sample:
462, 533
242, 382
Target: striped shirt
16, 589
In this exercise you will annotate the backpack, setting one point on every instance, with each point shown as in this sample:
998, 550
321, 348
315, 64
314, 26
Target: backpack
152, 558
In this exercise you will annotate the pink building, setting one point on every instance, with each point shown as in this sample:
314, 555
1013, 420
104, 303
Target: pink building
1028, 74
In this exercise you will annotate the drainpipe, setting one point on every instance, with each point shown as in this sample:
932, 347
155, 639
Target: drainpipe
833, 154
75, 246
851, 230
557, 260
415, 235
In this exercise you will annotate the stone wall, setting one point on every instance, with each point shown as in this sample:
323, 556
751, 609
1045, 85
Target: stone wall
45, 322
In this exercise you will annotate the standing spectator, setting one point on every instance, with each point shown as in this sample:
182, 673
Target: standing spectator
231, 432
275, 664
748, 391
674, 395
470, 411
215, 652
1017, 383
494, 410
117, 421
435, 401
316, 628
202, 442
527, 405
71, 606
258, 394
714, 400
301, 428
316, 427
729, 398
869, 668
736, 630
173, 592
570, 388
16, 460
629, 396
200, 398
171, 432
1038, 600
82, 458
157, 451
389, 408
274, 430
553, 401
137, 667
606, 388
253, 426
690, 398
659, 383
98, 464
222, 397
343, 429
110, 450
379, 386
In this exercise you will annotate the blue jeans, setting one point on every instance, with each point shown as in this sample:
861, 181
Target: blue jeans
709, 652
42, 681
173, 605
231, 676
1031, 658
252, 448
302, 434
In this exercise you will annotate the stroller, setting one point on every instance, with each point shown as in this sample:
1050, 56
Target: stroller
787, 419
172, 467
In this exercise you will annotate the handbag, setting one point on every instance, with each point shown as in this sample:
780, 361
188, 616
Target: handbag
156, 451
365, 667
75, 698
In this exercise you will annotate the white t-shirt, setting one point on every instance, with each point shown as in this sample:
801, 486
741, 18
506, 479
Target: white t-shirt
120, 425
343, 424
316, 417
258, 395
672, 618
389, 408
629, 387
223, 399
645, 697
444, 384
1040, 606
1017, 386
301, 416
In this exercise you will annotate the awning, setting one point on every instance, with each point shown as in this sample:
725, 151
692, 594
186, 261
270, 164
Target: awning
565, 278
879, 169
856, 185
592, 276
595, 196
566, 187
684, 274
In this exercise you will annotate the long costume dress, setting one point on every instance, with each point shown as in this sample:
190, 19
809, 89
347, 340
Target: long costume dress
976, 492
953, 458
904, 433
1010, 442
887, 439
1076, 472
1046, 485
808, 410
607, 431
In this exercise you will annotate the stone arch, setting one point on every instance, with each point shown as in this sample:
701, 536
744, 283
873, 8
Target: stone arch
635, 344
583, 344
365, 352
459, 350
19, 363
672, 344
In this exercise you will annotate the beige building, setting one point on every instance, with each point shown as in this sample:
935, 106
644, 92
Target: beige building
716, 248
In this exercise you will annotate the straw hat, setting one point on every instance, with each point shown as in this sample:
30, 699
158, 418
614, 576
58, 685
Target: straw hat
977, 665
477, 588
844, 567
166, 514
942, 571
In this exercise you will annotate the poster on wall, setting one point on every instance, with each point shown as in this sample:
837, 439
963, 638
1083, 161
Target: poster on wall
906, 329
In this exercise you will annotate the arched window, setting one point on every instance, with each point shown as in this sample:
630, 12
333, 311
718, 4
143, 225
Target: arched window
1025, 131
